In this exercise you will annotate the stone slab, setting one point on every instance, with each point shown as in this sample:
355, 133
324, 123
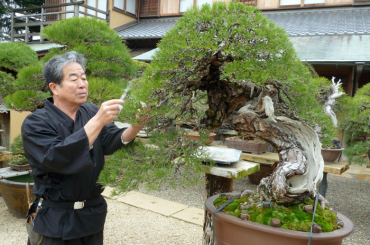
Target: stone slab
8, 173
270, 158
151, 203
191, 215
364, 175
236, 170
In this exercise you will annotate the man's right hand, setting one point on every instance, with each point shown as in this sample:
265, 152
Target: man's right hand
108, 111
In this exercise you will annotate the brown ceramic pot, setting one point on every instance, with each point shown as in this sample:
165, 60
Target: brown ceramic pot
15, 196
235, 231
330, 155
247, 146
195, 136
20, 167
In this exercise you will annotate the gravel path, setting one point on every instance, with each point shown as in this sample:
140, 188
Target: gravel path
130, 225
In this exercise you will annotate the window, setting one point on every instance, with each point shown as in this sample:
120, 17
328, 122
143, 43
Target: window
185, 4
300, 2
201, 2
290, 2
313, 1
127, 6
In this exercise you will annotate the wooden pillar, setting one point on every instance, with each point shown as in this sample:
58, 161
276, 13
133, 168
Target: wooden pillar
12, 28
216, 185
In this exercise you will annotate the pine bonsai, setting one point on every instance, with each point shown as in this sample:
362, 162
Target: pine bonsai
230, 64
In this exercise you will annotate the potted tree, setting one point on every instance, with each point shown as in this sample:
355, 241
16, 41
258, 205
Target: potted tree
20, 160
331, 147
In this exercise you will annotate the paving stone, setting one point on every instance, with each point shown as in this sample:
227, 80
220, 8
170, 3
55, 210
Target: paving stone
191, 215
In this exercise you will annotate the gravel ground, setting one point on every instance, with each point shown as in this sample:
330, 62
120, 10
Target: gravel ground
125, 225
130, 225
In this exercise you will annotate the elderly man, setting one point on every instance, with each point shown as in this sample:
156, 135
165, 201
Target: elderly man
65, 143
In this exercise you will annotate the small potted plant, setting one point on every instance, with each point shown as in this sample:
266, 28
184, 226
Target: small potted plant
20, 161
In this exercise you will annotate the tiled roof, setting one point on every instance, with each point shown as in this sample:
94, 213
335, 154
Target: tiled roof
149, 28
302, 22
333, 21
318, 49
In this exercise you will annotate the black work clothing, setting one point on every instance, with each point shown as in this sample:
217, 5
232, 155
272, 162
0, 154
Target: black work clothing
65, 169
95, 239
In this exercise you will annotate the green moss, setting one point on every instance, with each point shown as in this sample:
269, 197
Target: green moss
292, 217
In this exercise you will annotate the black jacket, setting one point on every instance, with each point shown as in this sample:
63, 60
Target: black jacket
64, 168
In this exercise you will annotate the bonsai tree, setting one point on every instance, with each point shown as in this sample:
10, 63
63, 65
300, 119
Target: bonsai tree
108, 68
244, 71
19, 157
355, 121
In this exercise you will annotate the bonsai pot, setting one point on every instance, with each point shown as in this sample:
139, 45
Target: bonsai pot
330, 155
235, 231
20, 167
13, 191
254, 147
194, 135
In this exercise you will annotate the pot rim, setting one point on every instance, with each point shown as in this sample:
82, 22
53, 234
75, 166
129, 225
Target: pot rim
14, 183
337, 234
328, 149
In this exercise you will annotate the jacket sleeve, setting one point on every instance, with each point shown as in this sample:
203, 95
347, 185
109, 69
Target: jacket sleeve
111, 137
47, 150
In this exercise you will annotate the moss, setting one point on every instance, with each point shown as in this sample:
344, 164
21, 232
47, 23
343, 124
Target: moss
292, 217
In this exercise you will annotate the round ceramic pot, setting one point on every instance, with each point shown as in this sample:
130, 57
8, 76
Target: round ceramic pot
14, 194
247, 146
330, 155
235, 231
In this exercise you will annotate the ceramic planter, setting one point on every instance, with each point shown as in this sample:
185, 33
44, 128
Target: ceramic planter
235, 231
13, 191
331, 155
247, 146
193, 135
20, 167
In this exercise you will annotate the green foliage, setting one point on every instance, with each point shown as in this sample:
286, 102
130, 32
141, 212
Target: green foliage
107, 56
355, 121
292, 217
101, 89
19, 157
166, 159
6, 84
14, 56
109, 64
27, 100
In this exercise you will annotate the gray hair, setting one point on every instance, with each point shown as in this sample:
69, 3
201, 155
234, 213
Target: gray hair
53, 69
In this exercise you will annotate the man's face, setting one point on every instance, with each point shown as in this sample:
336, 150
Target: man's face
74, 87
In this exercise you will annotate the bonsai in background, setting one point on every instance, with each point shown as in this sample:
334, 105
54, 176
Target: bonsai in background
355, 122
20, 160
13, 57
109, 64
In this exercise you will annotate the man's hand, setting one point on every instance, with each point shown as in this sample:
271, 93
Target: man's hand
108, 111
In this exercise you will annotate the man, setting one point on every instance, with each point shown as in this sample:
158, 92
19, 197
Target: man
65, 143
